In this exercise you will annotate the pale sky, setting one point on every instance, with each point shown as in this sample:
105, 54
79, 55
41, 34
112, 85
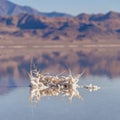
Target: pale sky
73, 7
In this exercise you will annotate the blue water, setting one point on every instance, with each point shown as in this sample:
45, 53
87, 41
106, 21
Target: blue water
99, 105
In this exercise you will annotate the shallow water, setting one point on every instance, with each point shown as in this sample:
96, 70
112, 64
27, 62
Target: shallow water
99, 105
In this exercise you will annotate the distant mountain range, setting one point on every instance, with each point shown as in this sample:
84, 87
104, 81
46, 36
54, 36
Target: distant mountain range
21, 21
8, 8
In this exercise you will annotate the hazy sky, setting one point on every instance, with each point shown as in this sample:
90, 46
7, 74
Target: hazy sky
72, 6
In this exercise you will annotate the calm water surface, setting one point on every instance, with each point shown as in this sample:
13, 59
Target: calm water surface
99, 105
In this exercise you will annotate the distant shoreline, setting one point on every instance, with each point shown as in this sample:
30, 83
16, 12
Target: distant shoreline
52, 46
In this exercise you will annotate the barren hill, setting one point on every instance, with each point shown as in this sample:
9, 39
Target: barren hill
8, 8
27, 23
82, 27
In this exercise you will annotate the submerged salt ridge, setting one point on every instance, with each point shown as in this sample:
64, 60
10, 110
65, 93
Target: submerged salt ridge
54, 85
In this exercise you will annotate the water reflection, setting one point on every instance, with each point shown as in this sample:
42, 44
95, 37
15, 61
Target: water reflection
36, 93
95, 61
100, 105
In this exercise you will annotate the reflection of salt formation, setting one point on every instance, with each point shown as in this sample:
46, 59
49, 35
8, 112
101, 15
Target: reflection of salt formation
91, 87
48, 85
